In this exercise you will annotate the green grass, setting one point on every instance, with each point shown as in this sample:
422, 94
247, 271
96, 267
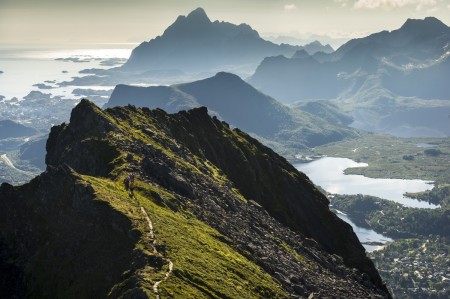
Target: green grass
204, 266
289, 249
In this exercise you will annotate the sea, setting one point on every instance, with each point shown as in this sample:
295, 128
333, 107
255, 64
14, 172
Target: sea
24, 68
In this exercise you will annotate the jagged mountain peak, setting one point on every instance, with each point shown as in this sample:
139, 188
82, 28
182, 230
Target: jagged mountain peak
195, 23
194, 18
198, 14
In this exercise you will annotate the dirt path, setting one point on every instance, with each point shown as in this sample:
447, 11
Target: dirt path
153, 242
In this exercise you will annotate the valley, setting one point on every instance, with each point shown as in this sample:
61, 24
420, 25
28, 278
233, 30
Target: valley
415, 264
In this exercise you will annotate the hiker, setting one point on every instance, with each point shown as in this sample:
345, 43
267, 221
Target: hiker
126, 182
131, 181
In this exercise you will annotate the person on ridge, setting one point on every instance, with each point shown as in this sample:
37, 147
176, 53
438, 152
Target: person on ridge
131, 181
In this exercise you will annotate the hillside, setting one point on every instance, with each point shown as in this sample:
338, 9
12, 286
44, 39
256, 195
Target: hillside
241, 105
213, 214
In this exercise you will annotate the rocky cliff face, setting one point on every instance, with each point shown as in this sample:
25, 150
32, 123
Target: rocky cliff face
213, 214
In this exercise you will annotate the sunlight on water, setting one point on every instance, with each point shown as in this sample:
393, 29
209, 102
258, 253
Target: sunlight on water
63, 53
22, 68
86, 53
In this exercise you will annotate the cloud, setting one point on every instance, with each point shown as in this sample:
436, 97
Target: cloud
371, 4
393, 4
343, 3
290, 7
430, 5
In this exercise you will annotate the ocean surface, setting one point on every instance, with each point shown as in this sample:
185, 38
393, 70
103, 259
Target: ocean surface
23, 68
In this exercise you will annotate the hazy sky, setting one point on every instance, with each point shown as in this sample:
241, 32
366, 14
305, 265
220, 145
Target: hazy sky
72, 22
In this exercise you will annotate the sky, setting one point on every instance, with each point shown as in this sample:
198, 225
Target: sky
123, 23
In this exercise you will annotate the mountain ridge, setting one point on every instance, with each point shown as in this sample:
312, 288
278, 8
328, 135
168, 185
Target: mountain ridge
192, 199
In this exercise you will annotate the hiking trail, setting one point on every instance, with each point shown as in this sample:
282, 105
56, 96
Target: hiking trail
155, 251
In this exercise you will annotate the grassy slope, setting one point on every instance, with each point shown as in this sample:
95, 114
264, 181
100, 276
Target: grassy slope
204, 266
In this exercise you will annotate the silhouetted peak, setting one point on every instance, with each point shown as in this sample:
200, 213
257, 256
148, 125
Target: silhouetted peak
197, 21
301, 54
429, 24
315, 43
227, 76
198, 15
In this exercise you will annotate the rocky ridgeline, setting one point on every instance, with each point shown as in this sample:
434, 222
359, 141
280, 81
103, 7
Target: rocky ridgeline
258, 203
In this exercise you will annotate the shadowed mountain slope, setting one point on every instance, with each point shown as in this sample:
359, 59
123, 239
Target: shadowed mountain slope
238, 103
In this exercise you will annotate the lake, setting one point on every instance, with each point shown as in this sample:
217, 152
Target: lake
328, 173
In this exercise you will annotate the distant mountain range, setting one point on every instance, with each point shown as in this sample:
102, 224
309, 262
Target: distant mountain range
411, 54
383, 77
195, 44
240, 104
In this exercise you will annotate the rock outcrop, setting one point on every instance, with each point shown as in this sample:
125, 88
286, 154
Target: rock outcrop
236, 219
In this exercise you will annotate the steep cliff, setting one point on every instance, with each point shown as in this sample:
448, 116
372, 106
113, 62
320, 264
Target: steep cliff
213, 214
